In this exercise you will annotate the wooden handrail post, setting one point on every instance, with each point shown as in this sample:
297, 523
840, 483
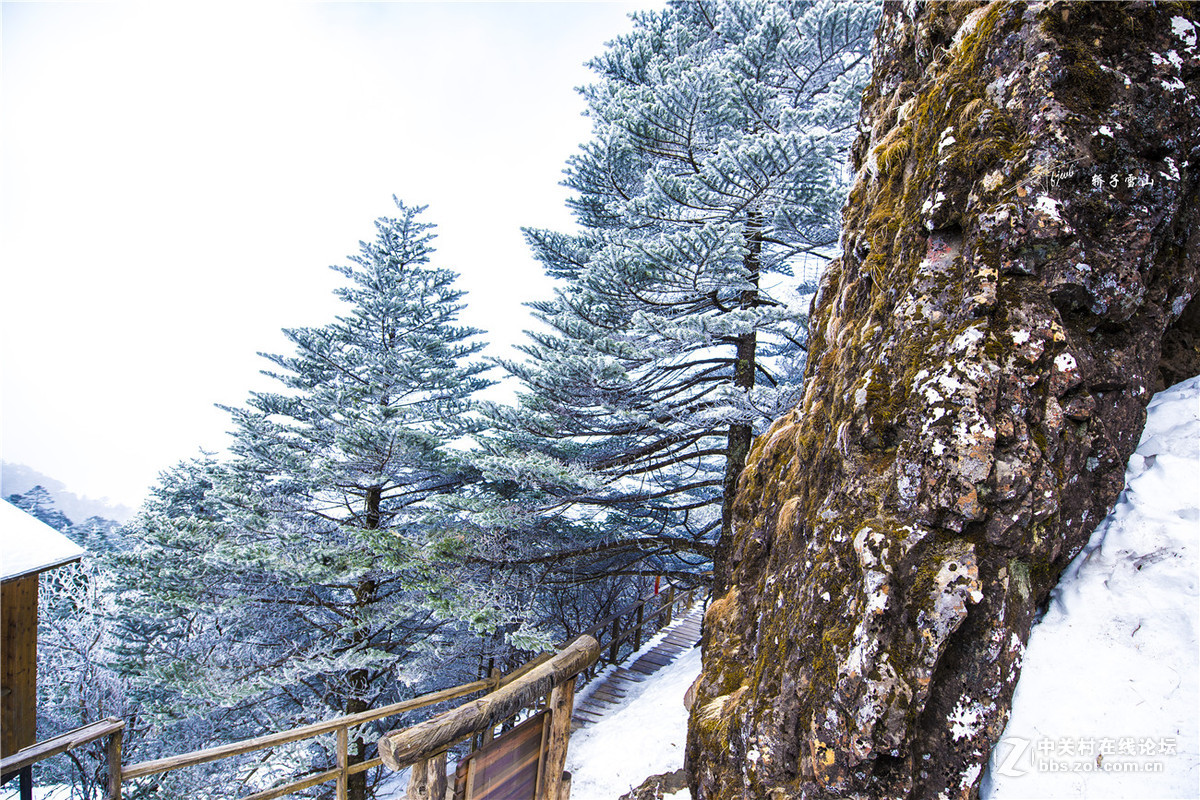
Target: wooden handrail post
489, 733
614, 647
562, 702
427, 781
637, 631
343, 761
115, 741
670, 606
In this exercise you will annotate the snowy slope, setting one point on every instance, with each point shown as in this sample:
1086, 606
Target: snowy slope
645, 737
1107, 703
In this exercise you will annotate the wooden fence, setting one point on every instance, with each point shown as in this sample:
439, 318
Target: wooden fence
614, 637
423, 746
624, 632
111, 729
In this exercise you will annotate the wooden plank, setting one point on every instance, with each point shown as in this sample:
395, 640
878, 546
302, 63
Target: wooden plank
343, 761
682, 642
296, 734
590, 716
627, 674
661, 659
622, 680
289, 788
402, 747
599, 712
354, 769
562, 700
113, 753
428, 779
18, 663
541, 771
60, 744
470, 779
509, 767
506, 769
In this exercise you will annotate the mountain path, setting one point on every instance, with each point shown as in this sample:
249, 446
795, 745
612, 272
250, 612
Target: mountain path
608, 694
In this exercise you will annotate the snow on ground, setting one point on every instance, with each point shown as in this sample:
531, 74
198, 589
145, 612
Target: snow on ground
1107, 703
55, 792
645, 736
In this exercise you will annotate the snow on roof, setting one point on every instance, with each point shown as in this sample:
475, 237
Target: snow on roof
28, 545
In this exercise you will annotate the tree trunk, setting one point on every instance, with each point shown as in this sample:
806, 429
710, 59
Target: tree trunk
358, 681
359, 687
740, 434
1022, 232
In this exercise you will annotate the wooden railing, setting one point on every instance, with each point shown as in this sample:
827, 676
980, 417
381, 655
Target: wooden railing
624, 632
614, 637
113, 729
424, 746
340, 726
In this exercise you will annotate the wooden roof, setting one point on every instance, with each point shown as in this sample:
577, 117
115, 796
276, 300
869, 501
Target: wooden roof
28, 545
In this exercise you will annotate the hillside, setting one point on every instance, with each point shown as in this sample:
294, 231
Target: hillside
18, 478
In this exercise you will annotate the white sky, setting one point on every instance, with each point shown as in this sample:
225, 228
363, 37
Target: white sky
178, 177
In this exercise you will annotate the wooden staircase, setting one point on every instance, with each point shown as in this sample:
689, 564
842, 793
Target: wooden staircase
609, 692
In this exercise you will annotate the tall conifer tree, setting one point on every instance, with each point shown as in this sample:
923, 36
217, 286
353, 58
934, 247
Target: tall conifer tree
322, 566
715, 168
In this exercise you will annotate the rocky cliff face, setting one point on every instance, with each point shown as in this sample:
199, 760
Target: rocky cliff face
1022, 248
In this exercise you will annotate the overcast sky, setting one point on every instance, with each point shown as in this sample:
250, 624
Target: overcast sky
178, 177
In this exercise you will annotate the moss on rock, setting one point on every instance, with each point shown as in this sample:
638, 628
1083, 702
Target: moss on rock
973, 393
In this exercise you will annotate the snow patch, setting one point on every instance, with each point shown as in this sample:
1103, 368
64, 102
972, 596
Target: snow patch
1049, 206
645, 736
967, 339
1065, 362
1116, 658
966, 720
1173, 174
1185, 29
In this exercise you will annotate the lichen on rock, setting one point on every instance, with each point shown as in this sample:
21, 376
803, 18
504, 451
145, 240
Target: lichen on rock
1019, 267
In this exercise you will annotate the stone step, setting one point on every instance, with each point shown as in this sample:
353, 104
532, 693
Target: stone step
683, 634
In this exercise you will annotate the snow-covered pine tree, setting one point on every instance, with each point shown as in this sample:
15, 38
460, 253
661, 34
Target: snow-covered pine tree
174, 640
38, 503
715, 170
320, 568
